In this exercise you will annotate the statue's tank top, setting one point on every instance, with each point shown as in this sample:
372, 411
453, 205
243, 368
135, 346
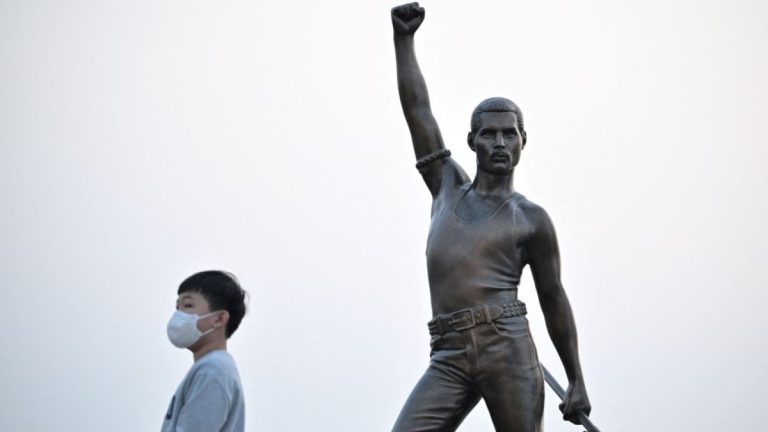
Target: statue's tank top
475, 262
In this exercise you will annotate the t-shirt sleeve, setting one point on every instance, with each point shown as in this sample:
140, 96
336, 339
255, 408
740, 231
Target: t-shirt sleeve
206, 405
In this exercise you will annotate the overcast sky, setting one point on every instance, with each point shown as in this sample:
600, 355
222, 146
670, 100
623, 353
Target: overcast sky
142, 141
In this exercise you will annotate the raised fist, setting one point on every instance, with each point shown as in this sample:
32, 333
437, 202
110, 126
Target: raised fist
407, 18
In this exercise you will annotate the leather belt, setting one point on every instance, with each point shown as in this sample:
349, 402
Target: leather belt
467, 318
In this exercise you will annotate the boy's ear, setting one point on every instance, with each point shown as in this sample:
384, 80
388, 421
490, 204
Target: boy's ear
222, 318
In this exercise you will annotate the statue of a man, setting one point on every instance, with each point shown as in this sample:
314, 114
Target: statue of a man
482, 235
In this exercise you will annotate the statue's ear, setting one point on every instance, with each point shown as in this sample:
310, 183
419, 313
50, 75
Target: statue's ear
471, 140
525, 137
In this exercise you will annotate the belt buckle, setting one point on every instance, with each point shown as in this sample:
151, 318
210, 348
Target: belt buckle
454, 320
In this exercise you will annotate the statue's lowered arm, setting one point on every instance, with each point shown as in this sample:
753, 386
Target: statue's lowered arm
545, 269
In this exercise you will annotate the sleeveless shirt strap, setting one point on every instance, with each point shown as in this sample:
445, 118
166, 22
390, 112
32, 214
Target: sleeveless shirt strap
517, 198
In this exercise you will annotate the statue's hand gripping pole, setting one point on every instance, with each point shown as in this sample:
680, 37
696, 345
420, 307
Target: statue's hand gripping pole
583, 418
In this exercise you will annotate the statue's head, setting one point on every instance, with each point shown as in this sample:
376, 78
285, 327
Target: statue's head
497, 134
495, 104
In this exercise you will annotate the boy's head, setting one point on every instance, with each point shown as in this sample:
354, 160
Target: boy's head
221, 291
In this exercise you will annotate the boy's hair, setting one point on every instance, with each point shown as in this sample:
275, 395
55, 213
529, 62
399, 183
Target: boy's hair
222, 291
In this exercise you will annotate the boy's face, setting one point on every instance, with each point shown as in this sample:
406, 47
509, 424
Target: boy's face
195, 303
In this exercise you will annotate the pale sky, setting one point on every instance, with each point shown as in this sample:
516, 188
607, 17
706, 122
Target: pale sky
143, 141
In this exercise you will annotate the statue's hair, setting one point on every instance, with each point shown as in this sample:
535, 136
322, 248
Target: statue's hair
497, 104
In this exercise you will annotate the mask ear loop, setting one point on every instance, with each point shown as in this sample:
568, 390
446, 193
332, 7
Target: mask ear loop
210, 329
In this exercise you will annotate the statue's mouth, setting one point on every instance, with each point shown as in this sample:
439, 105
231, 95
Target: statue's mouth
499, 157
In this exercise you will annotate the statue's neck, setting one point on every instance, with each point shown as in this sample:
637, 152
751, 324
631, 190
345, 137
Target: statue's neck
490, 184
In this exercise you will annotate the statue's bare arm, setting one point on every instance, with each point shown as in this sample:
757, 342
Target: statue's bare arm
414, 97
544, 259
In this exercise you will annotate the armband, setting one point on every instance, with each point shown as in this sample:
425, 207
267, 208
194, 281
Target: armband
428, 159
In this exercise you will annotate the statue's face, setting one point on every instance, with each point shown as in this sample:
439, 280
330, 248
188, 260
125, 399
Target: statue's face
497, 142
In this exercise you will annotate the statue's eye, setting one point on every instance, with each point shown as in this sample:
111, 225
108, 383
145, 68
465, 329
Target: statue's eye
486, 134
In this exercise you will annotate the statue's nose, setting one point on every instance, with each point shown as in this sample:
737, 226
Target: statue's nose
499, 141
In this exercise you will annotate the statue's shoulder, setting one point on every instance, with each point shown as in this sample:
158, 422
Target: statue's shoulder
531, 212
444, 177
444, 168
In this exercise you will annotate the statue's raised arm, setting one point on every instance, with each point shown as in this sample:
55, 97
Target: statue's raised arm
414, 97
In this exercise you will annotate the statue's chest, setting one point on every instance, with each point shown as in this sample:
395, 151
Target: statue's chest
459, 233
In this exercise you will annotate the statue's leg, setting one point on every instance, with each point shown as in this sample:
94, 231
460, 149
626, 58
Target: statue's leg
509, 376
444, 395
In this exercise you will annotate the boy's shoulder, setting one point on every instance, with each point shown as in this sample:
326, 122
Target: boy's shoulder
216, 360
218, 365
209, 398
216, 357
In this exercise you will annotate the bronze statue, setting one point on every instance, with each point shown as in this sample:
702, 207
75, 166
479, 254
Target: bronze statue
482, 235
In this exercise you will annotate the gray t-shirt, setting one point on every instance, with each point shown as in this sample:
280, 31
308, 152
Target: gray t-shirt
209, 399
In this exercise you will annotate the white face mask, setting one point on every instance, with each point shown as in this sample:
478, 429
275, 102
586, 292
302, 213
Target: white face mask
182, 329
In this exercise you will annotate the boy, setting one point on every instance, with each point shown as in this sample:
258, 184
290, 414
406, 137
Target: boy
209, 309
